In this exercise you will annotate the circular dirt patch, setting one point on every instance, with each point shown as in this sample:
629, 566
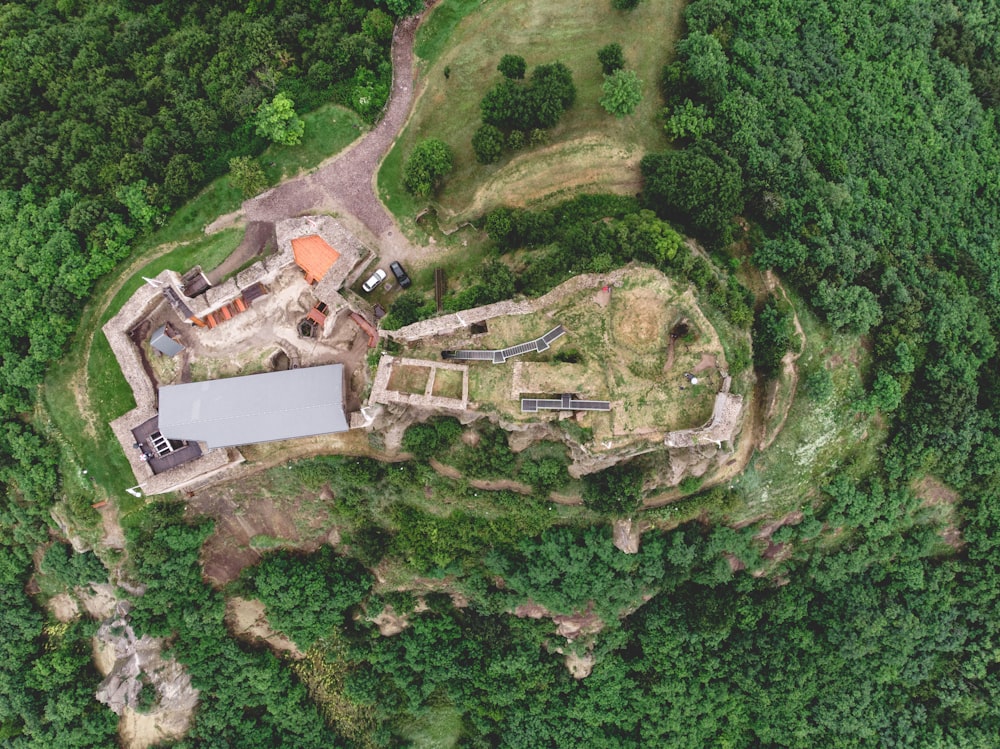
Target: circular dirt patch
640, 320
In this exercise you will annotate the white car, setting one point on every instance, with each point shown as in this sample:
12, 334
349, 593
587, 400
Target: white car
373, 280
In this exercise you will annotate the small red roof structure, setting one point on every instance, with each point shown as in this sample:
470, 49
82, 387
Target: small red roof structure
314, 256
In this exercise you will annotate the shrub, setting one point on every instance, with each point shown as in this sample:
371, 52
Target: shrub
432, 437
512, 67
611, 58
306, 596
622, 92
818, 384
247, 176
539, 137
772, 335
409, 307
545, 474
278, 122
616, 491
72, 569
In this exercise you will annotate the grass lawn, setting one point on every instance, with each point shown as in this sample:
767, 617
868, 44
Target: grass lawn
448, 384
436, 728
589, 149
407, 379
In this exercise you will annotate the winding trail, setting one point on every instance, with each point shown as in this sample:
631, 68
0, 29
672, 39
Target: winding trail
345, 184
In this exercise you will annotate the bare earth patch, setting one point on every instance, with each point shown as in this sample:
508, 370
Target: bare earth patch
934, 493
943, 499
246, 618
390, 623
496, 485
98, 599
774, 421
447, 471
580, 666
63, 607
792, 518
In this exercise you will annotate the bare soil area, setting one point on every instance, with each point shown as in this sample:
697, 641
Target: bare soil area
63, 607
580, 666
240, 524
246, 618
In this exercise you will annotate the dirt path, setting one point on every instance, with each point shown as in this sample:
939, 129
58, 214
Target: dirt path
495, 485
787, 366
345, 184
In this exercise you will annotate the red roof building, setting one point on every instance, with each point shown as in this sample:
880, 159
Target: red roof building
314, 256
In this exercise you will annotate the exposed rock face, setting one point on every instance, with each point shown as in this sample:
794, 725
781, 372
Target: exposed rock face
136, 661
626, 535
570, 626
580, 666
66, 529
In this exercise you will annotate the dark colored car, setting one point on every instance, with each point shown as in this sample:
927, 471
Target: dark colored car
400, 274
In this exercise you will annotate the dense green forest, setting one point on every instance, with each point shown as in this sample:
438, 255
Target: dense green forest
860, 141
112, 114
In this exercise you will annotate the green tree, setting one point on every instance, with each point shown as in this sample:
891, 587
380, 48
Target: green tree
625, 4
404, 8
615, 491
276, 120
408, 307
247, 175
307, 596
430, 160
622, 92
688, 120
772, 336
552, 92
512, 66
700, 184
432, 438
611, 57
487, 142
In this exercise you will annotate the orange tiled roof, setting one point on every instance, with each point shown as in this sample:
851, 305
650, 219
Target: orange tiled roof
314, 256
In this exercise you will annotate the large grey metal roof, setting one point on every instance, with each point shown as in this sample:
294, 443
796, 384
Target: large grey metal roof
256, 408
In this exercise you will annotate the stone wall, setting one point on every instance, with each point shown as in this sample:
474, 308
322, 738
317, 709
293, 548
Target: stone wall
455, 321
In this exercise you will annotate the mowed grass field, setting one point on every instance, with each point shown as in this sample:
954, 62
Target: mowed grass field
589, 149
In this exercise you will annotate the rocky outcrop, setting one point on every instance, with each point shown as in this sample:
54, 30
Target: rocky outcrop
133, 662
627, 534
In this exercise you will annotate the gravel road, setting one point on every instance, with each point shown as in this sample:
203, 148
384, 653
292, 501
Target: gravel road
348, 180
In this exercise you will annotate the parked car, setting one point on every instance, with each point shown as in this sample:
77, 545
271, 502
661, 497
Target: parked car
400, 274
373, 280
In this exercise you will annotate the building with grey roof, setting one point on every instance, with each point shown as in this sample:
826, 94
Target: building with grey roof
255, 408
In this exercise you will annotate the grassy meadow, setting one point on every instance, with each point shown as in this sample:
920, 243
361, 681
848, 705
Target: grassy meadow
589, 149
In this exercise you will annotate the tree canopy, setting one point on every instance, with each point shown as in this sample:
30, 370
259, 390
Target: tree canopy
430, 160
